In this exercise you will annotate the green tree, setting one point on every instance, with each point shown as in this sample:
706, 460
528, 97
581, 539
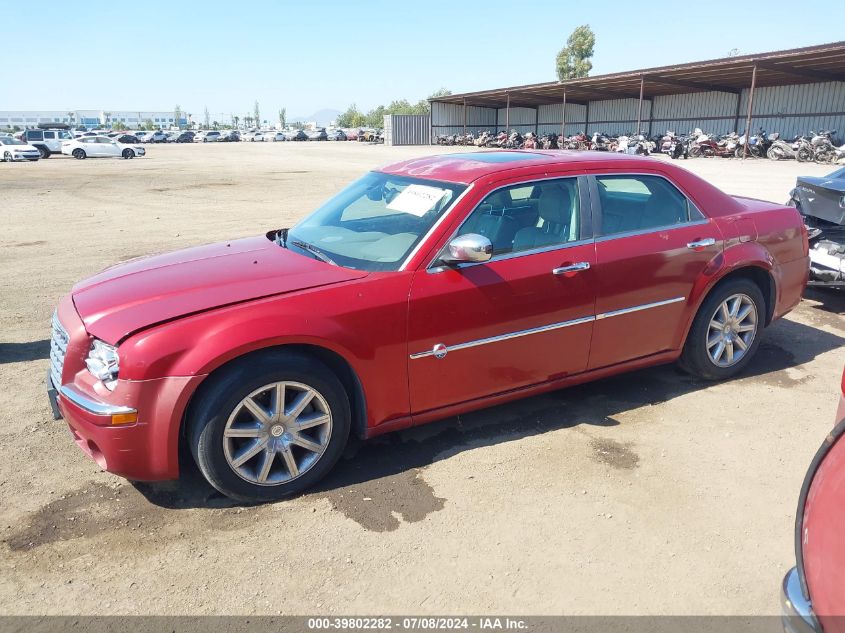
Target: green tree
442, 92
257, 114
107, 117
573, 60
206, 118
215, 125
235, 120
177, 116
119, 126
283, 114
71, 117
351, 118
147, 125
297, 125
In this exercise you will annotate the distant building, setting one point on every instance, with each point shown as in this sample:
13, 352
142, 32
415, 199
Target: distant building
90, 118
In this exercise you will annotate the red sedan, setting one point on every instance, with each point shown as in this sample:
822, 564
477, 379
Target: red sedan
423, 290
813, 592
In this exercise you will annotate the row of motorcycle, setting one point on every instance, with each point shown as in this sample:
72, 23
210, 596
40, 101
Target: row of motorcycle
820, 147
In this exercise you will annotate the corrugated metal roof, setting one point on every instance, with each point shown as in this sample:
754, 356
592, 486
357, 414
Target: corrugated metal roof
812, 64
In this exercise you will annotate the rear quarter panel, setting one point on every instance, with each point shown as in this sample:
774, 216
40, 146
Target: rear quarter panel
773, 237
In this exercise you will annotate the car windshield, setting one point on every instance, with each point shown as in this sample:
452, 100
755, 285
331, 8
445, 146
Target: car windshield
375, 222
8, 140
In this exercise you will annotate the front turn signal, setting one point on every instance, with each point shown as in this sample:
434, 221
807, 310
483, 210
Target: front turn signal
118, 419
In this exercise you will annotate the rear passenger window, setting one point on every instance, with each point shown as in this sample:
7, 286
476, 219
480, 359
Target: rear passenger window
527, 216
637, 203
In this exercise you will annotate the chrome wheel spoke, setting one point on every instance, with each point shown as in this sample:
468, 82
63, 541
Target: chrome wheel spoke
307, 444
740, 343
257, 410
747, 328
723, 309
249, 452
242, 432
290, 462
310, 420
298, 405
266, 464
729, 348
741, 316
713, 340
278, 400
734, 308
720, 349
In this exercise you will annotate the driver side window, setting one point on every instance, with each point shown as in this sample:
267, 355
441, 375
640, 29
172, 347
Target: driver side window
527, 216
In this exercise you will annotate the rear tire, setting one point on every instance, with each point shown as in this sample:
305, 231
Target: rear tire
694, 151
45, 153
220, 411
701, 355
79, 154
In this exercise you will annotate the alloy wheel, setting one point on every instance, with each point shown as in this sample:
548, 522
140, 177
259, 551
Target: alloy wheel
731, 331
277, 433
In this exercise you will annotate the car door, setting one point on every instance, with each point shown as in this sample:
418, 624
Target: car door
652, 244
109, 146
522, 318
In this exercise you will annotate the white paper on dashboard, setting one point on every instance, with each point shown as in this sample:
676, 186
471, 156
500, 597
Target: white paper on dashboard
416, 199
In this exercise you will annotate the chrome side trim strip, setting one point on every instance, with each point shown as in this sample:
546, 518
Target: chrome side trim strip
441, 350
92, 406
645, 306
505, 337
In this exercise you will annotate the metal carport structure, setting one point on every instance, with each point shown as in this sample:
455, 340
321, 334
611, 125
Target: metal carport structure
791, 89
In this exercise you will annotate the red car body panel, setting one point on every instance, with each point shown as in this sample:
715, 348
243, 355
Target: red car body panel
179, 317
821, 521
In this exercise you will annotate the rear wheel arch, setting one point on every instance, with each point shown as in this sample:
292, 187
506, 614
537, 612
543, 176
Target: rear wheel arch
333, 361
761, 276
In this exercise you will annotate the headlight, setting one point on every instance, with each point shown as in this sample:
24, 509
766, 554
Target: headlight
103, 363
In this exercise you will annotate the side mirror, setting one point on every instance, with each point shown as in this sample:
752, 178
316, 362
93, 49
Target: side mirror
469, 248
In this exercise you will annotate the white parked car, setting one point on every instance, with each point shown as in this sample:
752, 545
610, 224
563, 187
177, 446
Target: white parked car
14, 149
209, 136
255, 135
275, 136
144, 137
100, 146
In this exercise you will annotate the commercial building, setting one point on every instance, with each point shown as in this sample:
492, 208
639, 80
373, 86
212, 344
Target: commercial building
90, 118
791, 92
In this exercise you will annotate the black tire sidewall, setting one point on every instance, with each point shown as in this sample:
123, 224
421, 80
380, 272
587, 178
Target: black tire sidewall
695, 358
224, 391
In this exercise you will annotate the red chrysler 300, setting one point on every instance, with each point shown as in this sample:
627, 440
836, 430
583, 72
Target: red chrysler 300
425, 289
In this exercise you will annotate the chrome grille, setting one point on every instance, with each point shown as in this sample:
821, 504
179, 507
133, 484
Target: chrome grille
58, 349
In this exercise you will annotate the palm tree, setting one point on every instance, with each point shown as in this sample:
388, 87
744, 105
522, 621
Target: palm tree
107, 116
71, 117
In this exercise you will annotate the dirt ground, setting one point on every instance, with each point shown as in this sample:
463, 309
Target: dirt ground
648, 493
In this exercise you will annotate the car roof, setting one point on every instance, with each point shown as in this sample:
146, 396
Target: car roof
466, 167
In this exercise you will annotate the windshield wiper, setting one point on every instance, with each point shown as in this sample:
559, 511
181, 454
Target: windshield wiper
314, 251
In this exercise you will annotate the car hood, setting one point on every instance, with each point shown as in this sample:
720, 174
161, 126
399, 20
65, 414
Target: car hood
144, 292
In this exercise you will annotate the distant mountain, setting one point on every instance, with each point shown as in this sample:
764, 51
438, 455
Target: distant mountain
322, 117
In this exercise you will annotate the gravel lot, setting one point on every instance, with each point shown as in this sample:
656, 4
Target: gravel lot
648, 493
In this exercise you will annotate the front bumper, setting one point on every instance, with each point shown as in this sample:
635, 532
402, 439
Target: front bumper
144, 448
796, 612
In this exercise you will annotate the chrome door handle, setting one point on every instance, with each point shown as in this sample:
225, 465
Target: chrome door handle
571, 268
708, 241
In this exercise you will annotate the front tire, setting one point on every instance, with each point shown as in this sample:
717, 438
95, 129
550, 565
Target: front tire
128, 153
79, 154
7, 157
270, 427
726, 331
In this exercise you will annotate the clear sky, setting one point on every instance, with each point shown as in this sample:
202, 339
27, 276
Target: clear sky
152, 55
